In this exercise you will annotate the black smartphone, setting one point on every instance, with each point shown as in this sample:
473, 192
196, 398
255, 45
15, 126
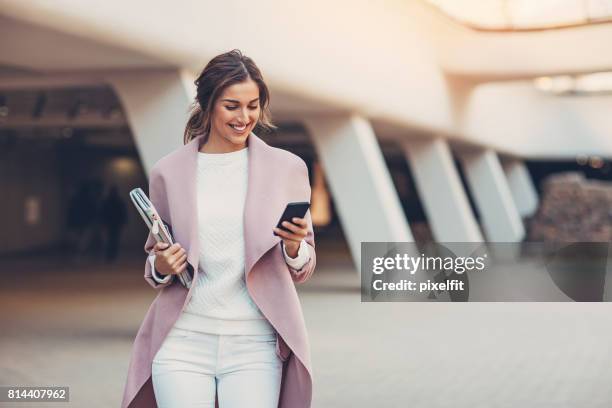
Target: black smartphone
292, 210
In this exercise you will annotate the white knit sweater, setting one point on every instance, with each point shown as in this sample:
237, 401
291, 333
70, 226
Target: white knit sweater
220, 302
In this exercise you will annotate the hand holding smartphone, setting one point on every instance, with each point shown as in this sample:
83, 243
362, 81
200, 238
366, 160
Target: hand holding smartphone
295, 209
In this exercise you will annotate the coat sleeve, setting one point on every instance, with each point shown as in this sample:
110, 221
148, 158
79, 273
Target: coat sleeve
306, 271
157, 195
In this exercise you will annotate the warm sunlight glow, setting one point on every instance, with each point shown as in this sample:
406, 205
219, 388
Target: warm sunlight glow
600, 82
525, 14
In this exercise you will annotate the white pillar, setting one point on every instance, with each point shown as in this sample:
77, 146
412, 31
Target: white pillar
437, 180
487, 182
367, 202
156, 104
522, 188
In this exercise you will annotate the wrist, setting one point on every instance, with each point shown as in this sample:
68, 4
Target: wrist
156, 274
292, 249
157, 269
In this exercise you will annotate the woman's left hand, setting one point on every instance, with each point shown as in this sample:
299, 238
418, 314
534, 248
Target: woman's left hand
298, 229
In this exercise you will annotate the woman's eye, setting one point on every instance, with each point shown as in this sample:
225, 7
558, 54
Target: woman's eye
231, 108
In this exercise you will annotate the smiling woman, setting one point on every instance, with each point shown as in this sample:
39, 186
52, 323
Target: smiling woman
235, 114
232, 89
237, 336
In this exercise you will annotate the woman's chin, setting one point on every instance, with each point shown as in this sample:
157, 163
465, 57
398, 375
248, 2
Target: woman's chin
238, 139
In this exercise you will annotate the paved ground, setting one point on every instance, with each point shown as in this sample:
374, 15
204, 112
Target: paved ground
73, 325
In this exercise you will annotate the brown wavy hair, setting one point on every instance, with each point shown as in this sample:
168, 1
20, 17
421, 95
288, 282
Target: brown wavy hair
222, 71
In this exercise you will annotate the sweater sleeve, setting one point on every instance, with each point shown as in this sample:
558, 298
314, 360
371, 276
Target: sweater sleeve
302, 258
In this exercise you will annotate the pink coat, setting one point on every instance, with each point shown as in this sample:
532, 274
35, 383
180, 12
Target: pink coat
276, 177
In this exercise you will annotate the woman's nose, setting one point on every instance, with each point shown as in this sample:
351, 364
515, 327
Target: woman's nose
244, 116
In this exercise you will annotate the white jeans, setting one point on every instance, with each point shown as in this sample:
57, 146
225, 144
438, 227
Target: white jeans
191, 367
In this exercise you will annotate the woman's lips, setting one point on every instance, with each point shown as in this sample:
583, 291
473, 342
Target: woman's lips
238, 129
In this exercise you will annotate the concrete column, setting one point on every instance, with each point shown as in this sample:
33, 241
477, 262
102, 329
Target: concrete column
487, 182
437, 180
367, 202
156, 104
521, 186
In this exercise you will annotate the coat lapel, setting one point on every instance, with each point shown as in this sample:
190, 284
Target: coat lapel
261, 209
189, 163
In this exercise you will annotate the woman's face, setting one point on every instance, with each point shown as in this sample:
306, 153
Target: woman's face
234, 116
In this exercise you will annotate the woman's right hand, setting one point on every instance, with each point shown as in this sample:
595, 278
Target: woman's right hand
170, 260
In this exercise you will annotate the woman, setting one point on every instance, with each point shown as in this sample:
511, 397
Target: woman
237, 336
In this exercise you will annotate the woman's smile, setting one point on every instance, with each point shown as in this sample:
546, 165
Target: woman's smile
240, 129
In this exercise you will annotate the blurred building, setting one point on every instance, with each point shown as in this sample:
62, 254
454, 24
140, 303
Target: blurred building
418, 120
